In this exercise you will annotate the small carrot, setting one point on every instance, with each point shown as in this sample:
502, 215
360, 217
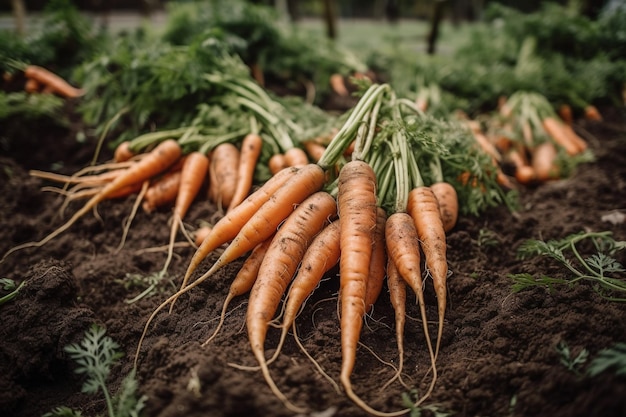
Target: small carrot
555, 130
565, 113
57, 84
544, 162
592, 113
423, 207
321, 255
488, 147
296, 157
277, 269
32, 86
192, 176
377, 262
524, 173
277, 162
123, 152
397, 296
243, 282
338, 85
158, 160
223, 167
162, 191
314, 150
248, 156
448, 203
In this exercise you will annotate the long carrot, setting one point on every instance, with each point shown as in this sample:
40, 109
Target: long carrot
162, 191
448, 203
248, 156
223, 173
377, 262
243, 282
554, 128
397, 296
423, 207
57, 84
192, 176
321, 255
159, 159
544, 162
277, 270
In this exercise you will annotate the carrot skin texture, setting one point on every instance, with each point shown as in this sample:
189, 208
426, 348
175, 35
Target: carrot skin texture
277, 163
224, 169
448, 203
248, 157
295, 157
161, 192
356, 199
423, 208
377, 262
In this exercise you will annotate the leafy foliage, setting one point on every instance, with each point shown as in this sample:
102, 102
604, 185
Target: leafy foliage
611, 358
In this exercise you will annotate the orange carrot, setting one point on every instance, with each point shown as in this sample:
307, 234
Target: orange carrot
224, 167
402, 240
249, 154
356, 199
277, 162
157, 161
524, 173
277, 269
162, 191
201, 233
122, 152
378, 261
192, 176
574, 137
32, 86
592, 113
423, 207
338, 85
565, 113
397, 296
544, 162
49, 79
321, 255
296, 157
314, 150
555, 130
448, 203
487, 146
244, 280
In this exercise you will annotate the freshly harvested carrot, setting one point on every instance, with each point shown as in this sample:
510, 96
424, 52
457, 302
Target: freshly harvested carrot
321, 255
544, 162
57, 84
356, 199
555, 130
201, 233
192, 176
565, 113
32, 86
378, 261
243, 282
162, 191
524, 173
397, 296
314, 150
448, 203
248, 157
403, 247
338, 85
423, 207
296, 157
157, 161
277, 269
277, 162
592, 113
223, 168
488, 147
575, 137
123, 152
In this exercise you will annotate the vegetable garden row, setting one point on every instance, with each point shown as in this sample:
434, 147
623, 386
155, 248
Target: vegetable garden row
367, 196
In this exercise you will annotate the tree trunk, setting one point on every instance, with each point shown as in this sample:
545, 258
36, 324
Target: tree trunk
19, 13
330, 17
434, 25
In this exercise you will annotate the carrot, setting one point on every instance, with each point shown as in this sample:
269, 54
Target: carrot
423, 207
544, 162
377, 262
192, 176
397, 296
574, 137
487, 146
277, 269
296, 157
356, 199
159, 159
249, 154
162, 191
402, 240
555, 130
524, 173
565, 113
201, 233
260, 224
223, 170
321, 255
277, 162
314, 150
448, 203
123, 152
57, 84
592, 113
338, 85
243, 282
32, 86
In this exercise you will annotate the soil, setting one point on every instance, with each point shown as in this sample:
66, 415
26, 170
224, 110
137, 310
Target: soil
499, 352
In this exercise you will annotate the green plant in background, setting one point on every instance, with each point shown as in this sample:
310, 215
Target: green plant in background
95, 355
600, 268
572, 363
610, 358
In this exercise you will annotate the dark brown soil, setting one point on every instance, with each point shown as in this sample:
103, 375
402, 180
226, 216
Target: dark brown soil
498, 356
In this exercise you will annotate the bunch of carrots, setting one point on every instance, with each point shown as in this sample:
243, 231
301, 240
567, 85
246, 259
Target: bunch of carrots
380, 195
42, 80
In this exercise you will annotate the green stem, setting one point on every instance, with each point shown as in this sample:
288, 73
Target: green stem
147, 139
